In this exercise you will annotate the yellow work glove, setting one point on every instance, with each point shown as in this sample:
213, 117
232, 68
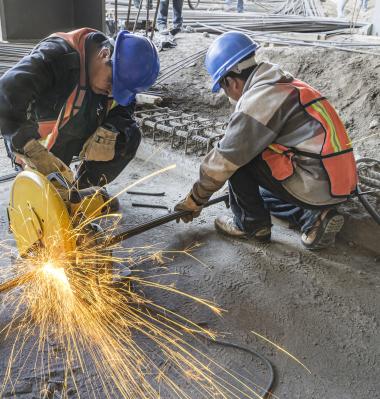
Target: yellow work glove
188, 204
37, 157
100, 146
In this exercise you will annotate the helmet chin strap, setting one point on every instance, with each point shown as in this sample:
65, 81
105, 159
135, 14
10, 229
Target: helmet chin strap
241, 66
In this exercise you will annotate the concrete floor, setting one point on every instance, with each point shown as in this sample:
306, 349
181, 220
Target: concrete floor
322, 307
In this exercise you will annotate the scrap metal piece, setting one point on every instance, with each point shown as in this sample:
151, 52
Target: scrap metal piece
146, 193
151, 206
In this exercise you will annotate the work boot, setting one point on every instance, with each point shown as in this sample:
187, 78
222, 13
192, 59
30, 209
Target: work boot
227, 226
176, 30
163, 30
322, 234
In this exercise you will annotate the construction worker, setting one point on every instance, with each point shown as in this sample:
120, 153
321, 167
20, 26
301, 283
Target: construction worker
61, 93
137, 3
285, 151
239, 7
162, 20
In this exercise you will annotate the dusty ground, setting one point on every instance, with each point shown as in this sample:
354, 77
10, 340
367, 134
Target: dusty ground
322, 307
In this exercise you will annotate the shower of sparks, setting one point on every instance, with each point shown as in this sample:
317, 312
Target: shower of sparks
281, 350
71, 314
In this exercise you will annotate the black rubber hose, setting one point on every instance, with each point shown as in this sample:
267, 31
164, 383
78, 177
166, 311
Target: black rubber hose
369, 208
267, 363
362, 197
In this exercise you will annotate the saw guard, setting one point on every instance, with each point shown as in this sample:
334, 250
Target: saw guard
38, 215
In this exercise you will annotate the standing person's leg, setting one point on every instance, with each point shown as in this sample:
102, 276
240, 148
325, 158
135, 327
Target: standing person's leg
341, 4
228, 4
177, 14
162, 18
240, 6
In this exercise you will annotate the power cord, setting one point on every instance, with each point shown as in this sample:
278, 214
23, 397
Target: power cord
268, 388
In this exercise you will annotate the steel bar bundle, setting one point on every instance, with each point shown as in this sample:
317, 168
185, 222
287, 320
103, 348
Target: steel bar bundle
308, 8
304, 19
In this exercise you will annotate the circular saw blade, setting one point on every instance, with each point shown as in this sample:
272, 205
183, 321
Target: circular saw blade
38, 215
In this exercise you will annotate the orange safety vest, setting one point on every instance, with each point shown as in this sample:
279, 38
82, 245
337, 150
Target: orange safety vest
336, 154
50, 129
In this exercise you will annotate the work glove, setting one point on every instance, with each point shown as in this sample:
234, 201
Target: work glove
101, 145
188, 204
37, 157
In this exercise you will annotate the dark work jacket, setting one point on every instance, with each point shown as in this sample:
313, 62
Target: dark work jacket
36, 89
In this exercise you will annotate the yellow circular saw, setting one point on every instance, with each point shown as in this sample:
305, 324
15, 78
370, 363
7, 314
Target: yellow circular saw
38, 215
44, 214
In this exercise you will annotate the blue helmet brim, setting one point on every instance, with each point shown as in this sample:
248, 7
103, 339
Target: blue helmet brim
216, 87
131, 75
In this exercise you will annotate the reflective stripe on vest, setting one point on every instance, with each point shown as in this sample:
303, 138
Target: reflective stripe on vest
77, 40
336, 154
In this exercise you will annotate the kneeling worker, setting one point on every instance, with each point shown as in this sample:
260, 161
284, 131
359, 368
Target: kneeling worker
61, 94
285, 151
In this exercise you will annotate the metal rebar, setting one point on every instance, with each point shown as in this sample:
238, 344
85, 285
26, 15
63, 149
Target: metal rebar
116, 18
137, 16
155, 19
128, 14
147, 18
162, 194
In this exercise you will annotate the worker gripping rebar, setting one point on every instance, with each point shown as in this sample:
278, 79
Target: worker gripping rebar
285, 152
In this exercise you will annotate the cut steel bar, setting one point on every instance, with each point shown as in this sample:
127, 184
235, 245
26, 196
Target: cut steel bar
16, 282
146, 193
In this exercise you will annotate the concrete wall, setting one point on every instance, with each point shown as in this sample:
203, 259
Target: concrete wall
35, 19
89, 13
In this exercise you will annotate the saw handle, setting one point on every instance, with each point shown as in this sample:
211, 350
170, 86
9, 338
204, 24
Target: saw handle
123, 235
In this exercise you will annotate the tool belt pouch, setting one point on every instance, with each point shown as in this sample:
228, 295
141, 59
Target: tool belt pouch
100, 146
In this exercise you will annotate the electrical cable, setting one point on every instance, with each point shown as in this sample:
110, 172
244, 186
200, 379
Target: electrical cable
268, 388
362, 196
267, 363
369, 208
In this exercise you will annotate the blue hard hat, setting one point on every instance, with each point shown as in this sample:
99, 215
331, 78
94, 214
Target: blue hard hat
135, 66
225, 52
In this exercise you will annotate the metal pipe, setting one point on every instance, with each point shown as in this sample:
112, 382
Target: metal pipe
147, 18
16, 282
155, 19
129, 13
137, 16
116, 18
